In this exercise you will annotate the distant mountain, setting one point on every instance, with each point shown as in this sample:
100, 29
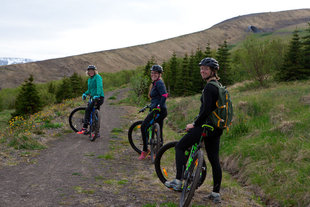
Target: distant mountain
10, 61
233, 30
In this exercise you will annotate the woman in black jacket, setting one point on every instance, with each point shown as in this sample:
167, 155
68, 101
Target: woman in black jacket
158, 95
210, 94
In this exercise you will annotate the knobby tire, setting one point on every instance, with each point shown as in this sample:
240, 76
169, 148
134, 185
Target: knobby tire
192, 180
135, 137
76, 118
155, 141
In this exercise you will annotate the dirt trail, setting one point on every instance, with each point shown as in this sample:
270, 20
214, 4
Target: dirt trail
57, 171
76, 172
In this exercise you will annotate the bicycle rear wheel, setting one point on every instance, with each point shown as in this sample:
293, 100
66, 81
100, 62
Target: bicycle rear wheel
191, 180
76, 119
135, 136
165, 165
155, 141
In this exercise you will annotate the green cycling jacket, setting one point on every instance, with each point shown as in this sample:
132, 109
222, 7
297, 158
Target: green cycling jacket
95, 87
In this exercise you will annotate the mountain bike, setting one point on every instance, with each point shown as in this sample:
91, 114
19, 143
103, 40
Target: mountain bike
193, 169
77, 119
154, 138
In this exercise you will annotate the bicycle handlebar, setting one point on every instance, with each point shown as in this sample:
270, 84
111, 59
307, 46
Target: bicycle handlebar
144, 108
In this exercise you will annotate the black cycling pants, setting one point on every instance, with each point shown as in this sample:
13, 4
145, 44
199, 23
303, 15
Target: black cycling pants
95, 103
212, 145
147, 122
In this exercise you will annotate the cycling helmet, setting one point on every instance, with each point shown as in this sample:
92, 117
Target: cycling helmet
211, 62
91, 67
157, 68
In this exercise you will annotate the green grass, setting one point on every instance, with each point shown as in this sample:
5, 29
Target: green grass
5, 116
117, 131
50, 125
106, 157
25, 142
269, 138
77, 174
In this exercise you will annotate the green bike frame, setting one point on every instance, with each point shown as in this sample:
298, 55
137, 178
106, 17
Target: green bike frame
197, 146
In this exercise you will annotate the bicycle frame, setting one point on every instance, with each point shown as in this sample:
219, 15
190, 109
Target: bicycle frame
150, 129
91, 112
197, 147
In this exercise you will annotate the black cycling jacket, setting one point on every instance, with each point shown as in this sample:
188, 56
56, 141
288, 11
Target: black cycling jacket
210, 95
158, 94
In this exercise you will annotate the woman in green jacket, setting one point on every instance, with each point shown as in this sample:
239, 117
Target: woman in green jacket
95, 91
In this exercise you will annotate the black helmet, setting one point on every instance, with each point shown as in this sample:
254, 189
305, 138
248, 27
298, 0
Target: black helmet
91, 67
157, 68
211, 62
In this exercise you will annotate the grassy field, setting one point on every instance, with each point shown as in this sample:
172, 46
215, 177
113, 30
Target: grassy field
268, 145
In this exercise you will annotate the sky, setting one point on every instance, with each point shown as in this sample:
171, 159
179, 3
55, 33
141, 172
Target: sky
46, 29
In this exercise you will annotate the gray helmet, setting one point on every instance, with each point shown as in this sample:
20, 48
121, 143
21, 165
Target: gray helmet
91, 67
157, 68
211, 62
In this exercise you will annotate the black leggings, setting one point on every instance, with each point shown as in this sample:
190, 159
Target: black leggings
95, 103
147, 122
212, 145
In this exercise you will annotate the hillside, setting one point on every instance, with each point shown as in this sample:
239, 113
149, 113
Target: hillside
232, 30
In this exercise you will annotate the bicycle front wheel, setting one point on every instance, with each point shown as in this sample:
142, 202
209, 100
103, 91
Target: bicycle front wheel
135, 136
165, 165
76, 119
191, 179
155, 141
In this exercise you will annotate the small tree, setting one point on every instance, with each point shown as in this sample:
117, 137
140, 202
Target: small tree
64, 90
28, 100
140, 85
173, 65
306, 51
183, 84
208, 52
222, 57
166, 75
51, 88
292, 63
148, 66
198, 83
193, 68
76, 85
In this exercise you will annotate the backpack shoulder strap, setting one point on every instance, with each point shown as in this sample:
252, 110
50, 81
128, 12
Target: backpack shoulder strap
216, 83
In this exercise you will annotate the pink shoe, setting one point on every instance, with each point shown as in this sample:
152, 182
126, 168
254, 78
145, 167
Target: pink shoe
144, 155
82, 131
